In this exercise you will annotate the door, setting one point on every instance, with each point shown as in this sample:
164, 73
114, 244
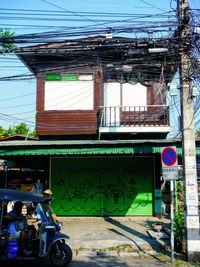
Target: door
111, 186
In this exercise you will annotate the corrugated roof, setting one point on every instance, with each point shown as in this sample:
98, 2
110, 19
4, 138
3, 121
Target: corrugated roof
80, 151
17, 137
51, 148
81, 142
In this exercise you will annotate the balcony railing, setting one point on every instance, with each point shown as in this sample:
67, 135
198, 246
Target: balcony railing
134, 116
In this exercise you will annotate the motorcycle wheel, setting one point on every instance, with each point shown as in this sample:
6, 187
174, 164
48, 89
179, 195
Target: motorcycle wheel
60, 255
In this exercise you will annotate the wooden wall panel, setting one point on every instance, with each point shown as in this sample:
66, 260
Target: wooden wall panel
66, 122
40, 94
98, 88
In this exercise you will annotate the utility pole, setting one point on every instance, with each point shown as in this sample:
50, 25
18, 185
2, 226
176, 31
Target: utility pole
188, 135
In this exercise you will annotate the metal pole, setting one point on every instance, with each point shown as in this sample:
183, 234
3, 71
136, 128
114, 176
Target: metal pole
188, 135
176, 194
6, 175
172, 218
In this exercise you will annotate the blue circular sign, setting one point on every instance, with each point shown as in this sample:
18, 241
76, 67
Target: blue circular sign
169, 156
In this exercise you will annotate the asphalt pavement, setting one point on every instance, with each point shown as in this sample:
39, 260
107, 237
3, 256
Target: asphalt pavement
117, 262
113, 242
110, 261
115, 236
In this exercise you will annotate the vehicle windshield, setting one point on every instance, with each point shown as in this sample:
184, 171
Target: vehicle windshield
46, 213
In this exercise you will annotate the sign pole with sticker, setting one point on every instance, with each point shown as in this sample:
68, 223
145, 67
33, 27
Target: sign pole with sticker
170, 173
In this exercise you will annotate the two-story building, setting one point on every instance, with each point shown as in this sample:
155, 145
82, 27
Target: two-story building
102, 120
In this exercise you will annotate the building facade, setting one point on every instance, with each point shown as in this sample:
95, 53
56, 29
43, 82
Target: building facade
104, 100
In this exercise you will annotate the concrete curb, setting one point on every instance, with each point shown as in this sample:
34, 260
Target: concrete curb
87, 253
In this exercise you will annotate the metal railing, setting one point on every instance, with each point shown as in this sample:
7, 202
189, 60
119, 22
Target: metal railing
120, 116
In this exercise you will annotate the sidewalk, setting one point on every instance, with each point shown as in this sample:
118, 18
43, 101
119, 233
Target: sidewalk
116, 236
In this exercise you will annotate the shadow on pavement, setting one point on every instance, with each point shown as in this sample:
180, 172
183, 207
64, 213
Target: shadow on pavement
155, 244
117, 262
92, 262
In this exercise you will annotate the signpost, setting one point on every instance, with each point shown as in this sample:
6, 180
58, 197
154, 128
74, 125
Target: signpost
170, 173
169, 157
169, 163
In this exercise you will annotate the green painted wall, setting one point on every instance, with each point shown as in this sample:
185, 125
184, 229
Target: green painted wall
102, 186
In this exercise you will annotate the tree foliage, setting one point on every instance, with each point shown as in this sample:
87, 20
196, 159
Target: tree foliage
21, 128
6, 41
2, 132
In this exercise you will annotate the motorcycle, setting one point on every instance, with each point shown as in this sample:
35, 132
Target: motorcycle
46, 241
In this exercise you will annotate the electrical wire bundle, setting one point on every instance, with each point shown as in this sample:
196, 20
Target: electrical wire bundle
83, 25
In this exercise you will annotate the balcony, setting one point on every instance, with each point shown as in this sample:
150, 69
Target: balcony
151, 118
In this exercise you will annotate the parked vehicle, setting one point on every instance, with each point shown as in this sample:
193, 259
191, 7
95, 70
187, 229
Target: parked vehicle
47, 241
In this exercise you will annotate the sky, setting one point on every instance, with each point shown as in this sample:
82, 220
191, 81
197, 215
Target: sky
18, 97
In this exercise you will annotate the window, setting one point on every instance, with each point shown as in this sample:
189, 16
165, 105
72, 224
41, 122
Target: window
134, 96
69, 91
126, 95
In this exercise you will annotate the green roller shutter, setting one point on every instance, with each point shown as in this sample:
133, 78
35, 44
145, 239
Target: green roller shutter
102, 186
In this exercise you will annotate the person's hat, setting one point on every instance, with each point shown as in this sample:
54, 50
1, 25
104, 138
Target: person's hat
48, 191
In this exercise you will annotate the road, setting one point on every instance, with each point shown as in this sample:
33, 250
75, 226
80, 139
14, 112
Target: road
95, 262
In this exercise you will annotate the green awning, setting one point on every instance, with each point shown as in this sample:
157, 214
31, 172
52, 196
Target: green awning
71, 151
138, 149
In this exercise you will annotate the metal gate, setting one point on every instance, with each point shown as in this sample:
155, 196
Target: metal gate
111, 186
